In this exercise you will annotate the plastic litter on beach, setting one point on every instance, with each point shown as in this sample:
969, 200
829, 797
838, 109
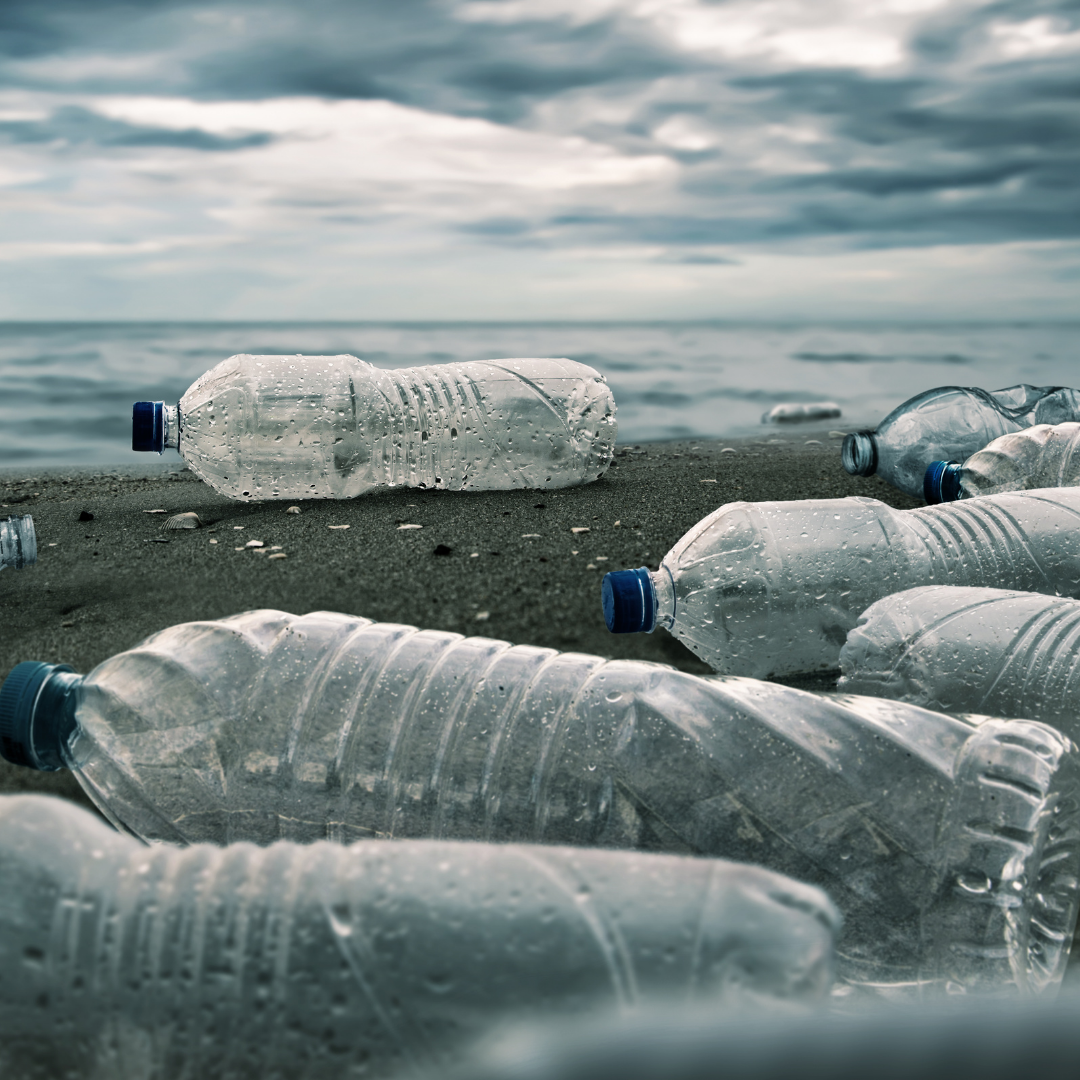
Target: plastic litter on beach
796, 411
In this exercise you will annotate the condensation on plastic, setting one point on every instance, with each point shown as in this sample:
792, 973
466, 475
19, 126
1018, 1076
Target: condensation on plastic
950, 423
951, 848
333, 427
18, 542
323, 961
971, 650
1044, 456
772, 588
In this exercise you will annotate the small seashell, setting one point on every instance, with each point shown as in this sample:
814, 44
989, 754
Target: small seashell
482, 616
729, 450
708, 481
189, 520
155, 511
337, 526
580, 529
590, 566
400, 527
238, 528
617, 524
277, 555
254, 544
293, 510
530, 536
213, 541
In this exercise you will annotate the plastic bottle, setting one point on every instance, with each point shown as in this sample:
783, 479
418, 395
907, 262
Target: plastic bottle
330, 961
18, 542
950, 423
951, 849
1043, 456
971, 650
772, 588
332, 427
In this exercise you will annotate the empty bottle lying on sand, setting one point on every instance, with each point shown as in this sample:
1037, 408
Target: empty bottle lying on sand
772, 588
971, 650
332, 427
18, 542
330, 961
950, 423
1044, 456
951, 849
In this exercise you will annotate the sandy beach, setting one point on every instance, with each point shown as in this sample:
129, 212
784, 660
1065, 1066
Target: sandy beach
498, 564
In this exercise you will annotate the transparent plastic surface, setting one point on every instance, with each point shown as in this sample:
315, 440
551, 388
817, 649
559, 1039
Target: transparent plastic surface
950, 848
772, 588
950, 423
325, 961
1044, 456
971, 650
332, 427
18, 542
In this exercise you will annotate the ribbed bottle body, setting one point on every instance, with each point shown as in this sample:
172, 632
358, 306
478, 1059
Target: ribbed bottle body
766, 589
1044, 456
18, 542
977, 650
950, 423
328, 961
295, 427
267, 726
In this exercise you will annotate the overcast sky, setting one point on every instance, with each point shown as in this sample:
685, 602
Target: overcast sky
540, 159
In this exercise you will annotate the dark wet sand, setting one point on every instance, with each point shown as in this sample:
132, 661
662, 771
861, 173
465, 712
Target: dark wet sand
101, 586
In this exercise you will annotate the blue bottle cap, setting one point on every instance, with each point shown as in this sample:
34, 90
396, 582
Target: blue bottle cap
148, 426
35, 720
629, 601
941, 482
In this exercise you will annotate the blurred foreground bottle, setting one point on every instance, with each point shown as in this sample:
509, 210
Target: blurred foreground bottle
772, 588
332, 427
950, 423
328, 961
952, 849
1044, 456
18, 542
971, 650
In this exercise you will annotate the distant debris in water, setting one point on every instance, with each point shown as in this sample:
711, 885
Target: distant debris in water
190, 520
155, 511
796, 411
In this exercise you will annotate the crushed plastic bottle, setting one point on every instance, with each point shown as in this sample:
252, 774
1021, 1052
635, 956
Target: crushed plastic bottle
1044, 456
950, 423
333, 427
971, 650
772, 588
951, 848
323, 961
18, 542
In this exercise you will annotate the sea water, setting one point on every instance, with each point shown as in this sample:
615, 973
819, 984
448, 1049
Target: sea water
66, 388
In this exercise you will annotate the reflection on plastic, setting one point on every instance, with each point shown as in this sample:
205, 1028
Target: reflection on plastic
325, 961
18, 542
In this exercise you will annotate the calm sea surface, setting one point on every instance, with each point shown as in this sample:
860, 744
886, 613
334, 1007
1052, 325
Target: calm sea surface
66, 389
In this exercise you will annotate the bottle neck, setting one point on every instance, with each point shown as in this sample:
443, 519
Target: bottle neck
859, 455
170, 417
53, 722
666, 602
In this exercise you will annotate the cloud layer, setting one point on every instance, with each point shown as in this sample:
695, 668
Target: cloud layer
540, 158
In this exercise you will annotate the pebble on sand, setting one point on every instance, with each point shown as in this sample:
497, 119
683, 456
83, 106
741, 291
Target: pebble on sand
337, 526
276, 555
293, 510
482, 616
400, 527
190, 520
579, 529
254, 544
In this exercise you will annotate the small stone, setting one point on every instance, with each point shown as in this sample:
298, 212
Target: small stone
337, 526
237, 528
573, 552
275, 547
708, 481
155, 511
580, 529
482, 616
68, 622
241, 548
530, 536
254, 544
617, 524
293, 510
213, 541
276, 555
86, 516
475, 555
442, 549
590, 566
600, 558
400, 527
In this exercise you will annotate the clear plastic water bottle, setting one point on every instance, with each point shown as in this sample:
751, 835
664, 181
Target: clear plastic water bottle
951, 848
971, 650
18, 542
950, 423
1044, 456
772, 588
329, 961
333, 427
